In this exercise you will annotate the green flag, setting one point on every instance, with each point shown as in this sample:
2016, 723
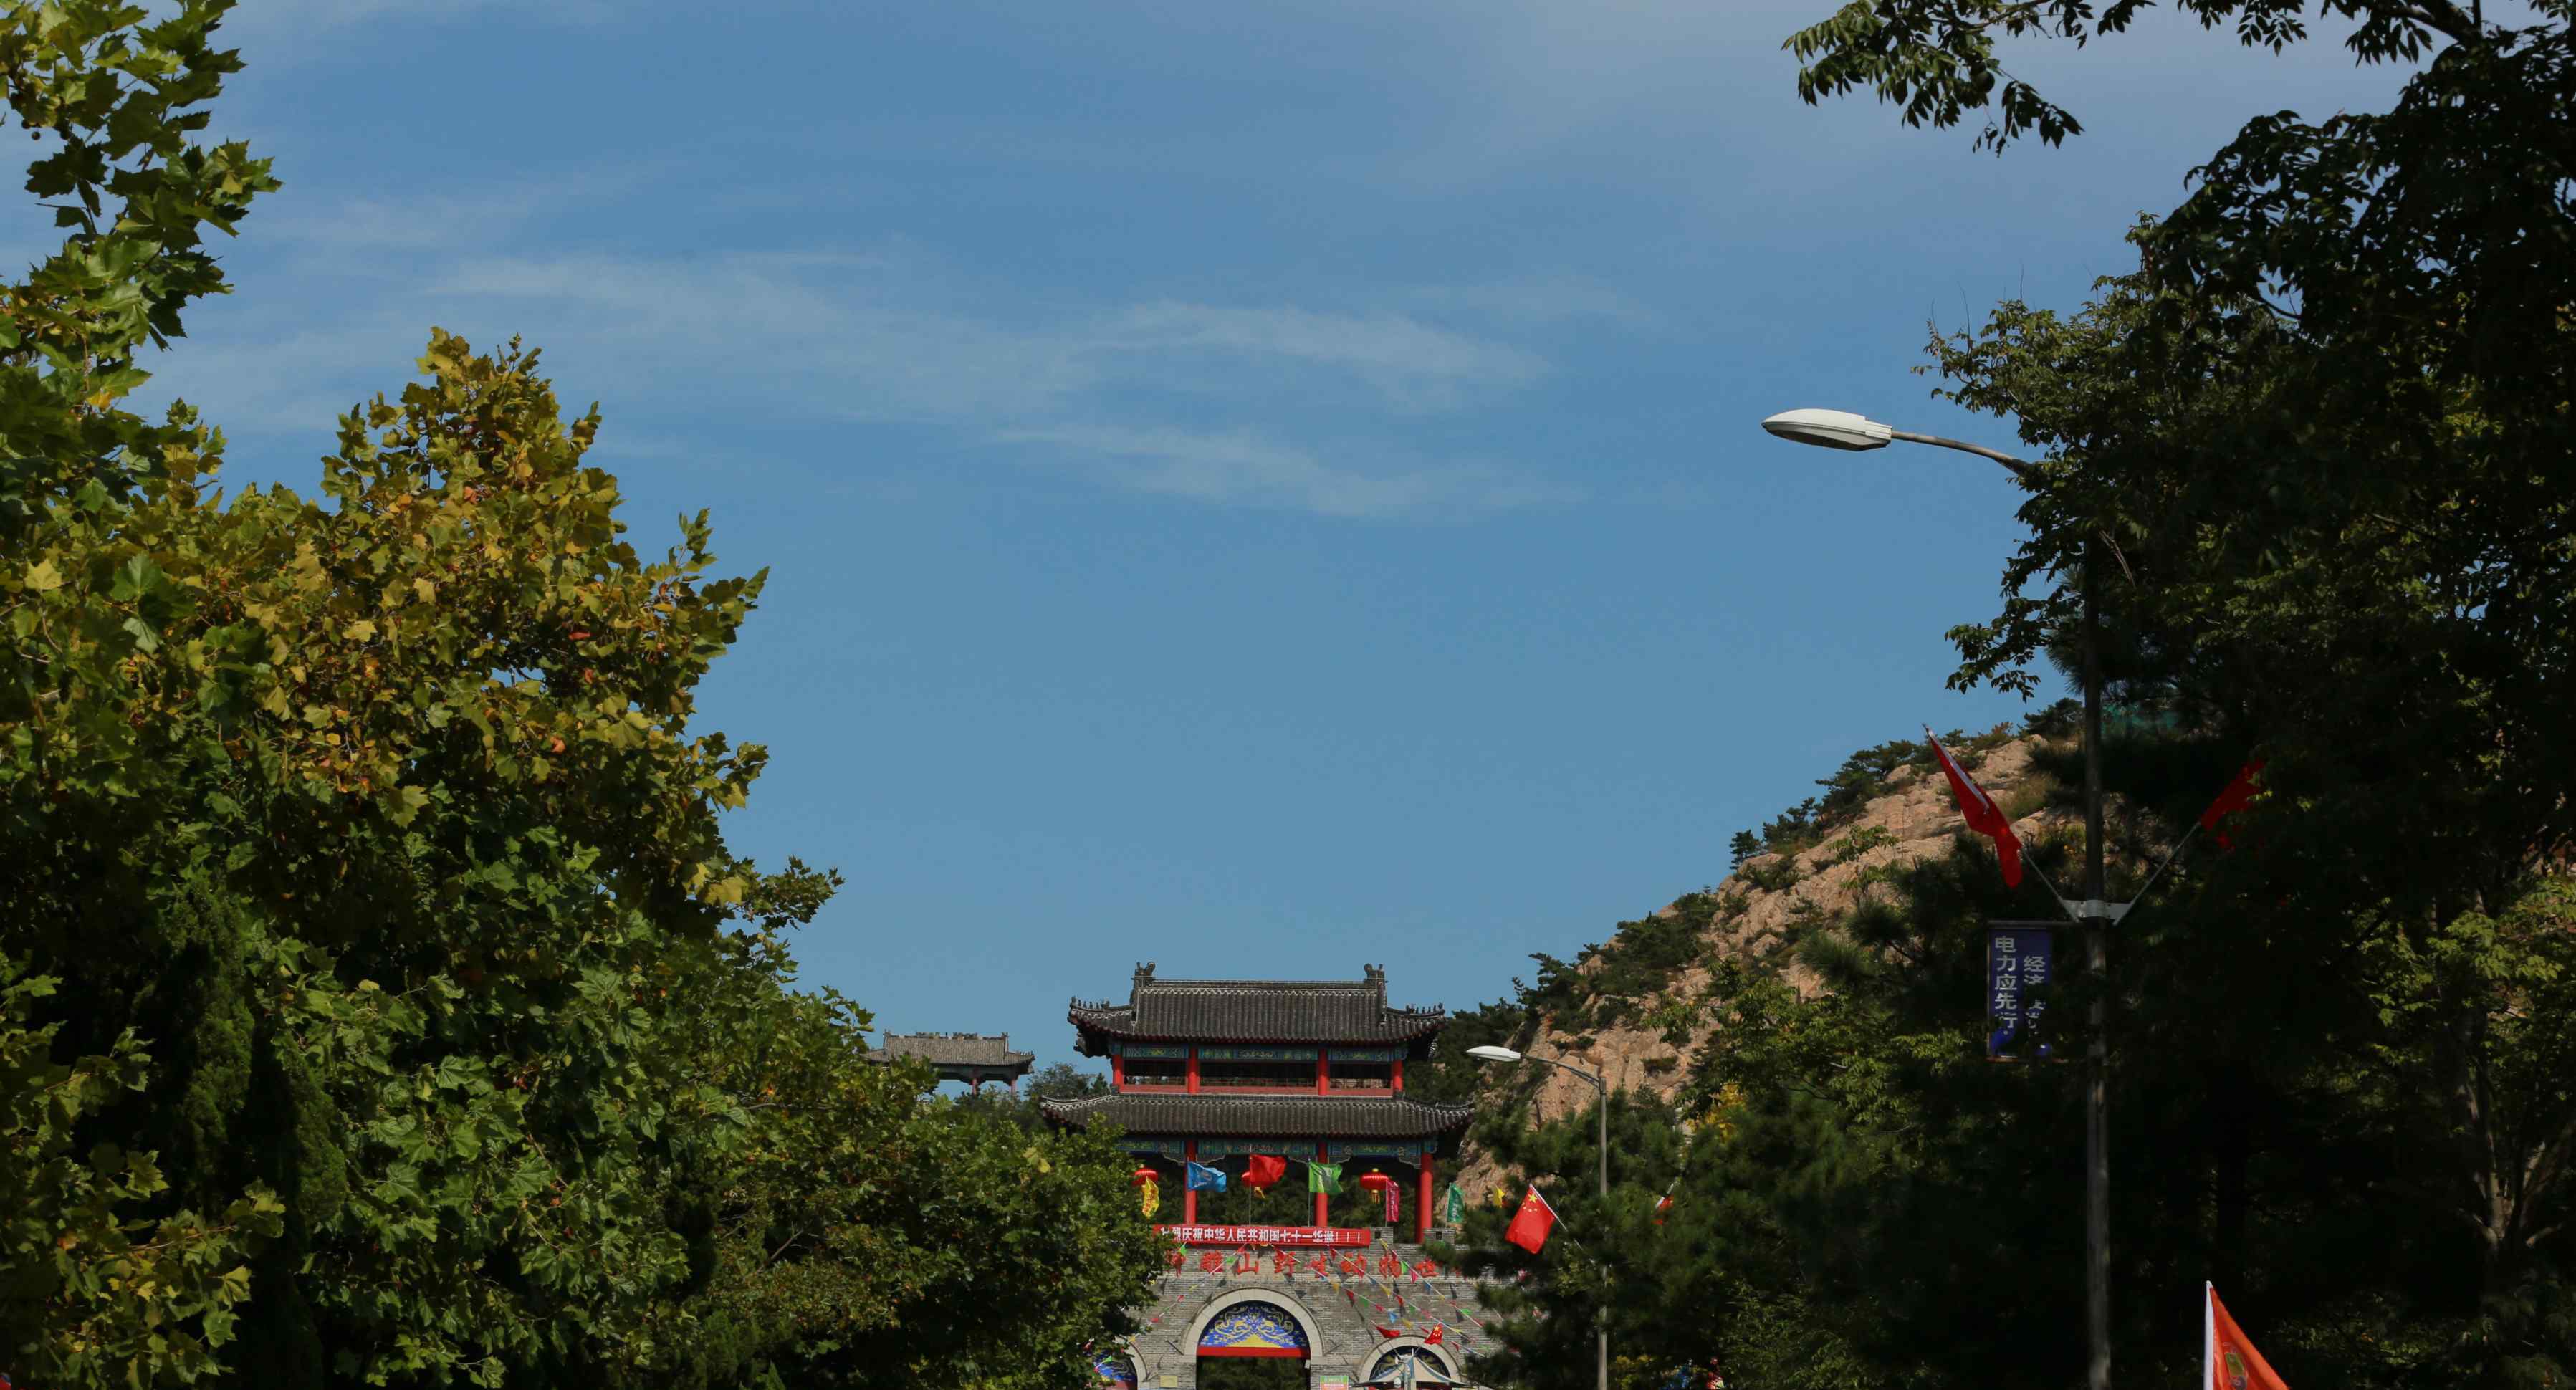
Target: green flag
1323, 1177
1453, 1207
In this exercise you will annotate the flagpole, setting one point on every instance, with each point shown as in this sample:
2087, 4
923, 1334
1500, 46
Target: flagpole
2208, 1335
2174, 854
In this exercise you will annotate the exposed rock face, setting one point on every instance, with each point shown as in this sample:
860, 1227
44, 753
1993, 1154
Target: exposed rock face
1919, 820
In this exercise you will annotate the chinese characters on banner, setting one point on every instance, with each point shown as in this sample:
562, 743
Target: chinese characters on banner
2018, 963
1265, 1235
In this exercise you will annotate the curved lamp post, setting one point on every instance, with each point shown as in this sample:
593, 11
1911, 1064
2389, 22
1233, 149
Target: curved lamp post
1506, 1056
1841, 429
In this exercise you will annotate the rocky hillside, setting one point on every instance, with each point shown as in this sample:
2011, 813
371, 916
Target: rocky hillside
1629, 1009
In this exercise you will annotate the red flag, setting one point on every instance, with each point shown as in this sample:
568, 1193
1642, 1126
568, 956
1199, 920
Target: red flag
1983, 815
1261, 1170
2228, 1359
1661, 1204
1531, 1223
2238, 795
1387, 1334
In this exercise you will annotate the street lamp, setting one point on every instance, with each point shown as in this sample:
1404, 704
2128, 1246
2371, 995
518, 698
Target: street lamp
1841, 429
1507, 1056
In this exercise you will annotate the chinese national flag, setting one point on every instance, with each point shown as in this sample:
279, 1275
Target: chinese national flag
1261, 1170
2238, 795
1531, 1223
1983, 815
2228, 1359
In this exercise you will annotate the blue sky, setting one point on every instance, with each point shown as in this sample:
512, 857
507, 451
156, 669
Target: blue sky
1256, 488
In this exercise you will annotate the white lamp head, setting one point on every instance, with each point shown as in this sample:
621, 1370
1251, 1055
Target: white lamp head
1493, 1054
1834, 429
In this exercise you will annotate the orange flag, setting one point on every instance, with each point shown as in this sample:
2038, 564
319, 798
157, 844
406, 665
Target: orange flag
2228, 1359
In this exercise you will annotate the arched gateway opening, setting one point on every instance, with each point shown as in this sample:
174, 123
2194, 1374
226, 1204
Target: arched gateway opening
1255, 1340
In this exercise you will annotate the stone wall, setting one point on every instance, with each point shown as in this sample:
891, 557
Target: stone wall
1340, 1313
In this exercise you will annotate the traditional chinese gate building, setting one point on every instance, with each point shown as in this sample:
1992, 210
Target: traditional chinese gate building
1215, 1071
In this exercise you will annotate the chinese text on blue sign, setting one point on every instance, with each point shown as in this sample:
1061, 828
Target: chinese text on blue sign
2017, 964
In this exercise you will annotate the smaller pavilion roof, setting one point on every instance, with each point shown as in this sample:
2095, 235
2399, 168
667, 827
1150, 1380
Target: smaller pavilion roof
989, 1051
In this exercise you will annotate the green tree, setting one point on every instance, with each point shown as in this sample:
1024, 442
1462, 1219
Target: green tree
384, 1004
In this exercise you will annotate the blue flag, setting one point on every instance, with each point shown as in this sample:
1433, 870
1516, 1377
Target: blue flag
1206, 1179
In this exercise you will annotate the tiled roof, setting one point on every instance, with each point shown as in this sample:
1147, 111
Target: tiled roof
1281, 1011
953, 1049
1287, 1117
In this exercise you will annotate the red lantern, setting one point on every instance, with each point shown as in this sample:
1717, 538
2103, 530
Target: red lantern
1379, 1182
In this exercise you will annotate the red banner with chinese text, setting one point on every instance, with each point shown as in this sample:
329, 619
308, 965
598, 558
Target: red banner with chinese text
1266, 1235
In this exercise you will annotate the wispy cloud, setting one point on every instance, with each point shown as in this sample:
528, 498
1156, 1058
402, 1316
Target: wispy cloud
1415, 365
1167, 397
1538, 303
1241, 468
275, 27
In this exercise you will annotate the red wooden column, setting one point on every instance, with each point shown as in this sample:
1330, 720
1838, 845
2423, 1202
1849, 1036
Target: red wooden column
1399, 1076
1323, 1204
1323, 1079
1117, 1072
1189, 1194
1194, 1071
1422, 1209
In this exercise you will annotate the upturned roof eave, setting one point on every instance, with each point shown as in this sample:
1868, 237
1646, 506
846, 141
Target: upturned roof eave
1419, 1025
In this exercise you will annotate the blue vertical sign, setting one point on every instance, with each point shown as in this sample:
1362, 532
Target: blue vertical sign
2017, 964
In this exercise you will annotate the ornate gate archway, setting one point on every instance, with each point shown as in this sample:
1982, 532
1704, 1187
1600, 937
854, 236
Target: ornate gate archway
1385, 1363
1258, 1322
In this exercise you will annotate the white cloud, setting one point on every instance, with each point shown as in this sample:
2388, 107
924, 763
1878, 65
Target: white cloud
1414, 364
1241, 468
886, 333
1539, 303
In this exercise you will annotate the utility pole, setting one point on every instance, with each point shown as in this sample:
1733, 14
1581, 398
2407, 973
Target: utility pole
1601, 1093
2097, 960
1601, 1332
1841, 429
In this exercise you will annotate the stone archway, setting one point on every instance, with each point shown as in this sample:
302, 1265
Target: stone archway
1438, 1357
